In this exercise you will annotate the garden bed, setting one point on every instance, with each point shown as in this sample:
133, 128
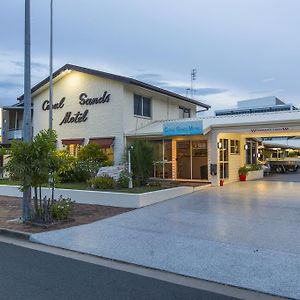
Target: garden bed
84, 186
10, 209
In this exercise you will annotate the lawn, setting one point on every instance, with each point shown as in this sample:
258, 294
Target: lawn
84, 186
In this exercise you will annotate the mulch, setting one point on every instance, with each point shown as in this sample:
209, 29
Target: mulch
10, 209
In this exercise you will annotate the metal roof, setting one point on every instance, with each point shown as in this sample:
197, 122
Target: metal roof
258, 119
119, 78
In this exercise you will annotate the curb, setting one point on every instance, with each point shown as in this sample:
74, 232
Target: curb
15, 234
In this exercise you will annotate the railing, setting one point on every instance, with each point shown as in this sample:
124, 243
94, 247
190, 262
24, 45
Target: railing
15, 134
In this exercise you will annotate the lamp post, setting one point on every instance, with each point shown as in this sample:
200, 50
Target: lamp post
27, 129
130, 184
51, 68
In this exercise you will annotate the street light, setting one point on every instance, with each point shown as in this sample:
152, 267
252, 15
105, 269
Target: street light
130, 184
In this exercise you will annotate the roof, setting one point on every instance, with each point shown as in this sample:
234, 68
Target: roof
119, 78
271, 118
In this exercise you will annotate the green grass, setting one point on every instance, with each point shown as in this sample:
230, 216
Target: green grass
84, 186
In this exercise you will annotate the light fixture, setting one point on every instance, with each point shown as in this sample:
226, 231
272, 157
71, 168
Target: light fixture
246, 147
219, 145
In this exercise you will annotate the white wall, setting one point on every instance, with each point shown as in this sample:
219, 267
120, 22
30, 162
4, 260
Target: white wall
106, 119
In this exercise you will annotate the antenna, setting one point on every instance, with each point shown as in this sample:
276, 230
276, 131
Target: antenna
193, 78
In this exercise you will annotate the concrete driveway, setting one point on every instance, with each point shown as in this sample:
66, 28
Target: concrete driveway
242, 234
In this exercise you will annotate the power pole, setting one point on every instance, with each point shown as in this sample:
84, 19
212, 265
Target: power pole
51, 68
193, 78
27, 129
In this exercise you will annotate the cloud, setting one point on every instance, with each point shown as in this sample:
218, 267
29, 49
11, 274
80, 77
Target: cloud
269, 79
9, 84
34, 65
177, 87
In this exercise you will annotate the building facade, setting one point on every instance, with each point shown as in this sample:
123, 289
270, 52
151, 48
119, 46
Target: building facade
90, 106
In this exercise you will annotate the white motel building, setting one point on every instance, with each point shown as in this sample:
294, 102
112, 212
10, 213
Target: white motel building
91, 106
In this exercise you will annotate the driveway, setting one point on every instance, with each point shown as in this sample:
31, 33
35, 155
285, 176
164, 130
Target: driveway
243, 234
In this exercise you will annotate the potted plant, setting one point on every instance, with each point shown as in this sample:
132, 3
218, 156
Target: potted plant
243, 171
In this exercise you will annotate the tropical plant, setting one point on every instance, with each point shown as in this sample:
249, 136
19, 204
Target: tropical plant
142, 158
243, 171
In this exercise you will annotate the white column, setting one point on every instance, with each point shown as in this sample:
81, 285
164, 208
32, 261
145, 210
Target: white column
213, 155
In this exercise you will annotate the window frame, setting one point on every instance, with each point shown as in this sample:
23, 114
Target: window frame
142, 98
235, 147
185, 110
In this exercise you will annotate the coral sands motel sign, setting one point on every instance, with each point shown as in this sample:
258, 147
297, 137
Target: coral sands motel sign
183, 128
79, 116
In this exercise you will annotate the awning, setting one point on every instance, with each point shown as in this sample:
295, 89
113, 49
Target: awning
72, 141
104, 142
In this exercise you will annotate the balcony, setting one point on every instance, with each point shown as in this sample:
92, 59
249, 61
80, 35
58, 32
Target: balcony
15, 134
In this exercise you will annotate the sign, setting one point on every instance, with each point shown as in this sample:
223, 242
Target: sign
183, 128
269, 129
79, 116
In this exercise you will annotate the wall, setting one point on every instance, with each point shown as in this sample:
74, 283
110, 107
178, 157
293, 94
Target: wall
107, 119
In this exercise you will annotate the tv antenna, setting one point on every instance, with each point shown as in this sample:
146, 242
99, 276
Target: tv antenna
193, 78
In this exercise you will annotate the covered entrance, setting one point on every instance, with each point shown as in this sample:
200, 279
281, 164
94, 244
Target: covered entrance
191, 159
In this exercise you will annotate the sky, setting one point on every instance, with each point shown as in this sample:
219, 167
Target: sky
241, 48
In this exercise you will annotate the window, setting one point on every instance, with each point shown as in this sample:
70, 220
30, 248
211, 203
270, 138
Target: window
73, 149
234, 147
142, 106
223, 159
184, 113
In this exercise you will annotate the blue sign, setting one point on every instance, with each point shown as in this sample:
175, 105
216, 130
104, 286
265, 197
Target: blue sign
183, 128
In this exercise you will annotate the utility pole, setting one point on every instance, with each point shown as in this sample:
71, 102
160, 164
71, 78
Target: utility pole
193, 78
51, 69
27, 129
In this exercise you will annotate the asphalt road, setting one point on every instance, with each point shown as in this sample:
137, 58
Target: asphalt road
30, 274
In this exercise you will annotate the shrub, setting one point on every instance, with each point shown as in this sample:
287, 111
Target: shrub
142, 157
102, 183
254, 167
123, 181
243, 170
92, 152
61, 209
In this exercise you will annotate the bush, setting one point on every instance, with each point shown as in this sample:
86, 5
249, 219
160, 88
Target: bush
92, 152
254, 167
74, 170
243, 170
61, 209
123, 181
102, 183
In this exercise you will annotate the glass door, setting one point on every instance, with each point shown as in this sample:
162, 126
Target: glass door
223, 159
183, 160
199, 160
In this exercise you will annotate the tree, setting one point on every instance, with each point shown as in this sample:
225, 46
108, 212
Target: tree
34, 164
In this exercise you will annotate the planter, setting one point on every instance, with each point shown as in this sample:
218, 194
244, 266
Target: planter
243, 177
254, 175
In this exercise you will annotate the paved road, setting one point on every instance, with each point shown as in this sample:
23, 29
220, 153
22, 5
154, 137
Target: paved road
30, 274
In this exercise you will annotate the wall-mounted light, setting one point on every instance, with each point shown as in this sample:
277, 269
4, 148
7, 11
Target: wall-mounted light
246, 147
219, 145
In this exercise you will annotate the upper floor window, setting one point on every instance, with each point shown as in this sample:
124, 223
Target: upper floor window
184, 113
142, 106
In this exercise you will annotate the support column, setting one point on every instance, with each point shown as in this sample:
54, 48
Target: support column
214, 152
174, 159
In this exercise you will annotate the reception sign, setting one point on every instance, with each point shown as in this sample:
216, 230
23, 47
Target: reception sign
183, 128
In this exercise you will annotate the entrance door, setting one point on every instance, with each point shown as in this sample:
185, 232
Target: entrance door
192, 160
183, 160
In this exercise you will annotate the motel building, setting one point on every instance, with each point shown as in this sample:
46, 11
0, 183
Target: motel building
97, 107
